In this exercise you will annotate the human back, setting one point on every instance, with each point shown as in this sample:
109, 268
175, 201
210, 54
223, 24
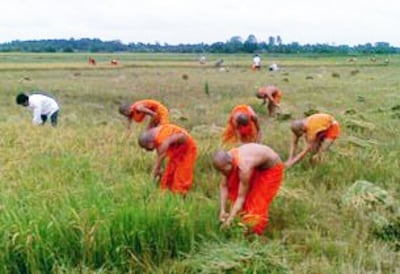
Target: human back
254, 155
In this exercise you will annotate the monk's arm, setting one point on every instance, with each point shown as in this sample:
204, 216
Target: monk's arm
257, 124
128, 126
271, 99
244, 177
264, 101
157, 167
299, 156
176, 138
223, 188
146, 110
321, 150
325, 145
236, 129
293, 145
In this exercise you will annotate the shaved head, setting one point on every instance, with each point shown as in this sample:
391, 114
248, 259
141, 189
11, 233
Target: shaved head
242, 119
221, 160
298, 127
146, 140
124, 109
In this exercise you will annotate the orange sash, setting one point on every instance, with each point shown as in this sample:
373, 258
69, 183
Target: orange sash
178, 174
160, 110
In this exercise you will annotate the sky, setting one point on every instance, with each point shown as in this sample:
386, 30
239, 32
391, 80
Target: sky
350, 22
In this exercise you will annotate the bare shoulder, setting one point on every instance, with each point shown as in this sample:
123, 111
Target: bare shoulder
255, 154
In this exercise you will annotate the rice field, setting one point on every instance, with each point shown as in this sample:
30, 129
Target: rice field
80, 198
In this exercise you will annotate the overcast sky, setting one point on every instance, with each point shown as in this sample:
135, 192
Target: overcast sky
336, 22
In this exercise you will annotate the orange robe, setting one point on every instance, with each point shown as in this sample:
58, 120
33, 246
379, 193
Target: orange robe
178, 174
321, 126
263, 186
247, 133
160, 110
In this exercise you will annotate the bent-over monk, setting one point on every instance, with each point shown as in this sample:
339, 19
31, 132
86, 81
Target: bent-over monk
320, 131
273, 95
252, 176
175, 143
91, 61
243, 126
137, 111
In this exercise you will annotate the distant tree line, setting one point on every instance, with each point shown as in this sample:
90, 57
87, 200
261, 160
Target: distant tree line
234, 45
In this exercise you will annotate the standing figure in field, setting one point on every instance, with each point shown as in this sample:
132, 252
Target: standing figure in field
173, 142
271, 94
137, 111
320, 131
256, 62
42, 105
243, 126
92, 61
252, 176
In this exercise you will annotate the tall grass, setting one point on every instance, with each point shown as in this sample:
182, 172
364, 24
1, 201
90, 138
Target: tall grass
80, 198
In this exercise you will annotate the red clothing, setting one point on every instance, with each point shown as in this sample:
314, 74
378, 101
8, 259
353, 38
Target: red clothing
178, 174
155, 106
248, 133
263, 186
333, 131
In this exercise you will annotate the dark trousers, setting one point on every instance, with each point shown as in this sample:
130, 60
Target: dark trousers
53, 119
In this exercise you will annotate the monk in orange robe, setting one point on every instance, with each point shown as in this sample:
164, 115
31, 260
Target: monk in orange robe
174, 143
137, 111
273, 95
252, 176
243, 126
320, 131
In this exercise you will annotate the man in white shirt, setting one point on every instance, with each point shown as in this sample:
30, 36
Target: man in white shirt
256, 62
43, 107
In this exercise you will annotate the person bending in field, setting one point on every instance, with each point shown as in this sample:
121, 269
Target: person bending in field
320, 131
172, 142
271, 94
137, 112
256, 63
252, 175
42, 105
243, 126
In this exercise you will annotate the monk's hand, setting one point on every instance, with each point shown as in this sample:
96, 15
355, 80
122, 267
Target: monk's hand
288, 164
227, 223
223, 216
157, 172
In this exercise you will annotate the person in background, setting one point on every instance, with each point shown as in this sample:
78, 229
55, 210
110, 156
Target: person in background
256, 62
273, 95
243, 126
320, 131
43, 106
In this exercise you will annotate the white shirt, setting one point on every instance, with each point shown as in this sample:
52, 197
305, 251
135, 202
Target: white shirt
257, 60
41, 105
